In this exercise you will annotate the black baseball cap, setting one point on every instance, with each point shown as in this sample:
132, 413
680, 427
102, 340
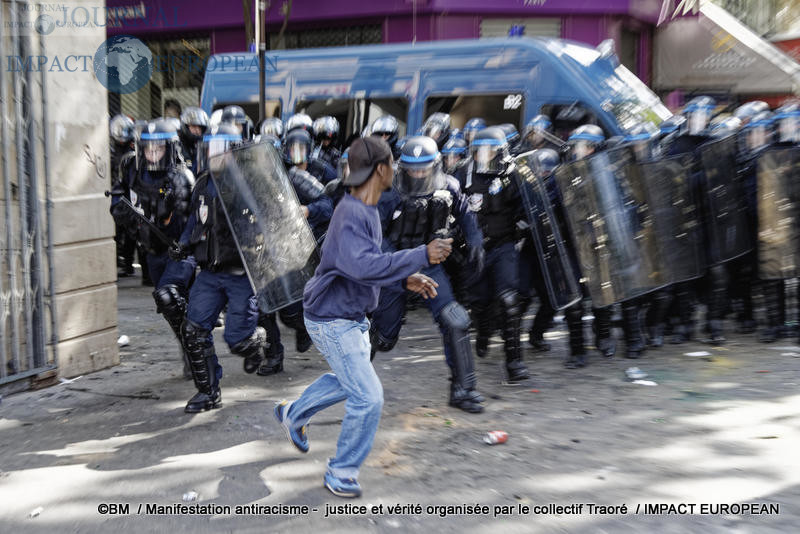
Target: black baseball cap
364, 154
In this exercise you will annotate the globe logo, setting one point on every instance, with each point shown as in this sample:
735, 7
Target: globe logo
44, 25
123, 64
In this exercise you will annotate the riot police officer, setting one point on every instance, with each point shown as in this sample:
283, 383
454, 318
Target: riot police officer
222, 280
494, 197
235, 116
326, 133
388, 129
534, 135
299, 121
194, 123
272, 126
159, 188
473, 126
454, 153
512, 138
437, 127
123, 156
418, 209
584, 141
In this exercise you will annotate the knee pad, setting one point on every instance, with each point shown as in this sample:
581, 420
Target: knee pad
511, 302
195, 337
454, 317
254, 342
169, 300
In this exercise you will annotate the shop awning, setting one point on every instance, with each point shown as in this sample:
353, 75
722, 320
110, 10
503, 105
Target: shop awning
714, 51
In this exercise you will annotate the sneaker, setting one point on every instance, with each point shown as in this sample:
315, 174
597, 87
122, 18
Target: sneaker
342, 487
297, 437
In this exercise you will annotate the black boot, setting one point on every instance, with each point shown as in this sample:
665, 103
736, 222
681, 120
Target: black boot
454, 325
201, 356
462, 399
536, 340
511, 333
634, 340
604, 339
292, 316
273, 360
251, 350
577, 352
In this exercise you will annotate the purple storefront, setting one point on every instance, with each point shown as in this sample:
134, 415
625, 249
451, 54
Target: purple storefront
203, 27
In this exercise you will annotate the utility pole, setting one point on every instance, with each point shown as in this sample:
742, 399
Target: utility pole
261, 38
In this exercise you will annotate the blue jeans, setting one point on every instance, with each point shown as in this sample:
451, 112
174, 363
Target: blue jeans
345, 346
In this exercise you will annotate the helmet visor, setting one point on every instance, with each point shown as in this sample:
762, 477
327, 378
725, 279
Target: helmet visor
452, 159
582, 148
486, 159
788, 129
416, 179
298, 153
698, 120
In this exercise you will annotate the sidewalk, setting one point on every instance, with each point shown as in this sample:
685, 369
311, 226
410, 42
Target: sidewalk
720, 430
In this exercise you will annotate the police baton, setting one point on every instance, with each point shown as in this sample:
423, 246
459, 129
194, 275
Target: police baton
164, 238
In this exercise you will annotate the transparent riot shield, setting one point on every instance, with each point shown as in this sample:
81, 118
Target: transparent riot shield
560, 278
778, 178
610, 225
725, 219
675, 217
275, 242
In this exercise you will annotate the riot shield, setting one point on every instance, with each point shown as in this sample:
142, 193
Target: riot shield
560, 278
725, 219
275, 242
675, 217
778, 176
608, 218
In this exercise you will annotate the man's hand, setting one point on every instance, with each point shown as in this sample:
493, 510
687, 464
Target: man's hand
424, 285
439, 249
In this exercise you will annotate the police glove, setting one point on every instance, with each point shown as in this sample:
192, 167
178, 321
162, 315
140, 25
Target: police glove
178, 251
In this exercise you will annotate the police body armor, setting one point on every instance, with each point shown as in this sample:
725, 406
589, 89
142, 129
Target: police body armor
778, 177
610, 225
491, 197
274, 240
560, 275
214, 247
418, 220
162, 197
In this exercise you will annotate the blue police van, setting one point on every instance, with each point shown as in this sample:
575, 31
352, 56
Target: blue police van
501, 80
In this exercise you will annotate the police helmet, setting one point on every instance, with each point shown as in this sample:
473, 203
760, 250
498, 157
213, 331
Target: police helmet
272, 126
299, 121
157, 146
758, 131
584, 141
121, 129
748, 110
543, 162
787, 122
698, 114
297, 146
534, 130
437, 127
724, 127
386, 127
454, 152
236, 116
325, 129
217, 140
642, 140
473, 126
489, 151
194, 123
673, 124
419, 167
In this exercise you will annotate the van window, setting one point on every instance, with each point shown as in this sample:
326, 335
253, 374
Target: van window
567, 117
355, 114
272, 108
493, 108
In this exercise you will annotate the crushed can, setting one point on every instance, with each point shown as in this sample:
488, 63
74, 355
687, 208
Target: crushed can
495, 436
